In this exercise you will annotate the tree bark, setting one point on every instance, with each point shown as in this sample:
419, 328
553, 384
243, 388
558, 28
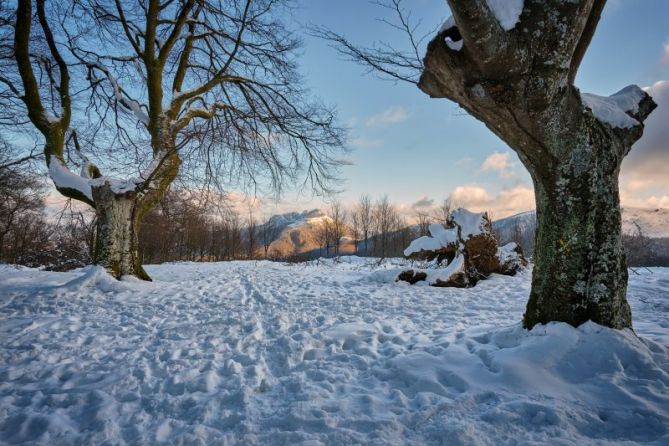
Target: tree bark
519, 83
116, 241
579, 272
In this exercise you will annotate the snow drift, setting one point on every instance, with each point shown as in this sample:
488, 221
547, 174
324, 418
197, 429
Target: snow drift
323, 353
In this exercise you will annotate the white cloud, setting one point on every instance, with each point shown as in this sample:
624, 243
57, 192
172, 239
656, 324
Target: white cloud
499, 162
644, 179
365, 143
506, 202
465, 162
392, 115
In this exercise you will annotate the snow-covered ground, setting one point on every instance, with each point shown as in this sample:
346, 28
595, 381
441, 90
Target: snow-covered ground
266, 353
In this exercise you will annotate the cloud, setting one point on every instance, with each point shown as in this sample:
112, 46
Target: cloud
664, 60
392, 115
423, 203
365, 143
499, 162
506, 202
465, 162
644, 178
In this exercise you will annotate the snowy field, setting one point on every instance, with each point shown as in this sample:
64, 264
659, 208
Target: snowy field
265, 353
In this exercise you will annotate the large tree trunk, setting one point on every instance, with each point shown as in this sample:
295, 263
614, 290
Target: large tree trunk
579, 263
116, 241
519, 82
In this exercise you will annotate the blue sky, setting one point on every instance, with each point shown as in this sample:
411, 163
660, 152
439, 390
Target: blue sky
409, 146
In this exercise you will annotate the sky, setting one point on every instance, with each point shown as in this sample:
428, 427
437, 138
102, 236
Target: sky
419, 151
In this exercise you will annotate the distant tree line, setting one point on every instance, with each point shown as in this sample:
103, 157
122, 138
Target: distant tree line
28, 236
199, 226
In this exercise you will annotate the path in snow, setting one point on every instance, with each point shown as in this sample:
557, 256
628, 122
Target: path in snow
259, 352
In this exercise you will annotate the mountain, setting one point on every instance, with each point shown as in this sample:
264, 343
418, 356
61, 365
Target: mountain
654, 223
297, 234
508, 228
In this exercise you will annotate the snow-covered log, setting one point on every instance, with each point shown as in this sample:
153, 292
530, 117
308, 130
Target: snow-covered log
470, 249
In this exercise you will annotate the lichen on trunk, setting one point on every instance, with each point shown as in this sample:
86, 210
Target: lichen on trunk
116, 241
579, 271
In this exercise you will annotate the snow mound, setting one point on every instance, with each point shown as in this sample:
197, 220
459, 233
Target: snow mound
265, 353
470, 223
613, 110
440, 238
97, 277
507, 12
445, 275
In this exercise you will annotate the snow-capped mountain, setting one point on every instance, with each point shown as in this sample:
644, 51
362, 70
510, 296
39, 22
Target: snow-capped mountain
654, 223
297, 233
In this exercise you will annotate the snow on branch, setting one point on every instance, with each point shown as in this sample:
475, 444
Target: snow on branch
507, 12
63, 178
617, 110
123, 97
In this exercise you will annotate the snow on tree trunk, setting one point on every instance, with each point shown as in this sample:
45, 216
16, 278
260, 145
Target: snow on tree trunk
519, 81
116, 240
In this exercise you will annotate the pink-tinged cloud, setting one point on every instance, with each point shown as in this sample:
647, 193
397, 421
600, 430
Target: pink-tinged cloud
645, 171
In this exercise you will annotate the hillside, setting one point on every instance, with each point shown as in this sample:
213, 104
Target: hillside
298, 234
654, 223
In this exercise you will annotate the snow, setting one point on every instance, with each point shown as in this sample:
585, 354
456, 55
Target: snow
330, 352
507, 12
456, 266
507, 252
117, 186
63, 178
51, 119
449, 23
613, 110
134, 106
424, 243
440, 238
654, 223
455, 45
471, 223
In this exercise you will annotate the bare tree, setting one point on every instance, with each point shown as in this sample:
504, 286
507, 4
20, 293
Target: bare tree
638, 247
324, 235
519, 81
212, 84
423, 220
269, 231
355, 229
338, 227
385, 223
21, 200
363, 216
251, 235
442, 213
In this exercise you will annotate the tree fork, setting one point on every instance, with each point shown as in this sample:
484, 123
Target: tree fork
519, 83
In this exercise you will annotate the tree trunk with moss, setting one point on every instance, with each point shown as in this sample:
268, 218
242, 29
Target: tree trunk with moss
116, 241
519, 82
